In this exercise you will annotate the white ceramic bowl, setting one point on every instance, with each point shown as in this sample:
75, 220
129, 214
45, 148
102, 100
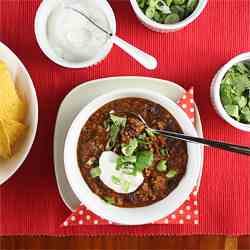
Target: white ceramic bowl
26, 89
42, 15
159, 27
215, 91
131, 216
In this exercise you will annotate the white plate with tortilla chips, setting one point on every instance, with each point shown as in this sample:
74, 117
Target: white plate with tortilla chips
18, 113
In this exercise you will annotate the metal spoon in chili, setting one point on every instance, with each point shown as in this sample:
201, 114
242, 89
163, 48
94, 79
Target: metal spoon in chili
179, 136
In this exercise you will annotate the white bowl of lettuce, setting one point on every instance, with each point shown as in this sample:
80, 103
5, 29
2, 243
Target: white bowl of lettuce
230, 92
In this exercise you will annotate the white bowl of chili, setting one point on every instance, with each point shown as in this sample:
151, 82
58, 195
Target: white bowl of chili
135, 215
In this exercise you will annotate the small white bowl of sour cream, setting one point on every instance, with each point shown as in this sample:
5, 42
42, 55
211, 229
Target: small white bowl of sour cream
68, 39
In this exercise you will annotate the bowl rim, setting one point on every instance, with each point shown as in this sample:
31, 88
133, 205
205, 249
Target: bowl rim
130, 216
198, 10
215, 90
40, 23
22, 158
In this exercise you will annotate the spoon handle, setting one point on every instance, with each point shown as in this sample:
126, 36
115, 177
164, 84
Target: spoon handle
215, 144
148, 61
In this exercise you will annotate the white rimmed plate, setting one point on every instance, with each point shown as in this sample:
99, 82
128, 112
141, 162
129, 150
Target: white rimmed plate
81, 96
27, 91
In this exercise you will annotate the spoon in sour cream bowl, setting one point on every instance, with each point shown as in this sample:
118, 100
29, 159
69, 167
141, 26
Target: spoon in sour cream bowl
148, 61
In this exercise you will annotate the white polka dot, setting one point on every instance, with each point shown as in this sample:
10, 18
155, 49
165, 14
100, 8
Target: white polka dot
192, 119
191, 91
173, 216
195, 203
96, 222
166, 221
73, 218
88, 217
188, 217
181, 211
188, 207
80, 222
110, 222
181, 221
196, 212
184, 105
65, 223
191, 100
80, 212
184, 97
196, 222
192, 110
195, 193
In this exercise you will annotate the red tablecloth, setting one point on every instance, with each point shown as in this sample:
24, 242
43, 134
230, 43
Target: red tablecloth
30, 202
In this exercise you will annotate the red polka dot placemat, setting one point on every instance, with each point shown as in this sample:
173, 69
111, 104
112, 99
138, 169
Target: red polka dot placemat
30, 203
187, 213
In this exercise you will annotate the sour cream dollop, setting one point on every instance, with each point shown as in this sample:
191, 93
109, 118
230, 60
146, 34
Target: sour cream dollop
114, 178
73, 37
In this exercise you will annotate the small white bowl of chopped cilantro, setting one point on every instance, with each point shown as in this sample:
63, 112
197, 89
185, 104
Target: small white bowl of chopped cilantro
167, 15
230, 92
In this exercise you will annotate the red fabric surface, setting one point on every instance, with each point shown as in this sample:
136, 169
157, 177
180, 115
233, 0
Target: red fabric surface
30, 202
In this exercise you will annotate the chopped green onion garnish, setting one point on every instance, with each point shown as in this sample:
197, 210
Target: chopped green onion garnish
128, 149
151, 132
116, 180
117, 123
109, 200
95, 172
163, 151
171, 173
162, 166
125, 186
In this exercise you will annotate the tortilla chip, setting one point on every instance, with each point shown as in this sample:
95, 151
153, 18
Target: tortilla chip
11, 106
14, 130
5, 150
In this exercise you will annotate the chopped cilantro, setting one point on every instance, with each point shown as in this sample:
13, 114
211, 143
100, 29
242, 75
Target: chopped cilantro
128, 149
235, 90
143, 159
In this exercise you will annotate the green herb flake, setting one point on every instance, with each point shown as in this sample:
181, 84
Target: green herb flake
162, 166
144, 159
117, 123
95, 172
172, 18
128, 149
116, 180
150, 132
163, 151
150, 12
125, 186
171, 173
123, 160
179, 2
109, 200
232, 110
